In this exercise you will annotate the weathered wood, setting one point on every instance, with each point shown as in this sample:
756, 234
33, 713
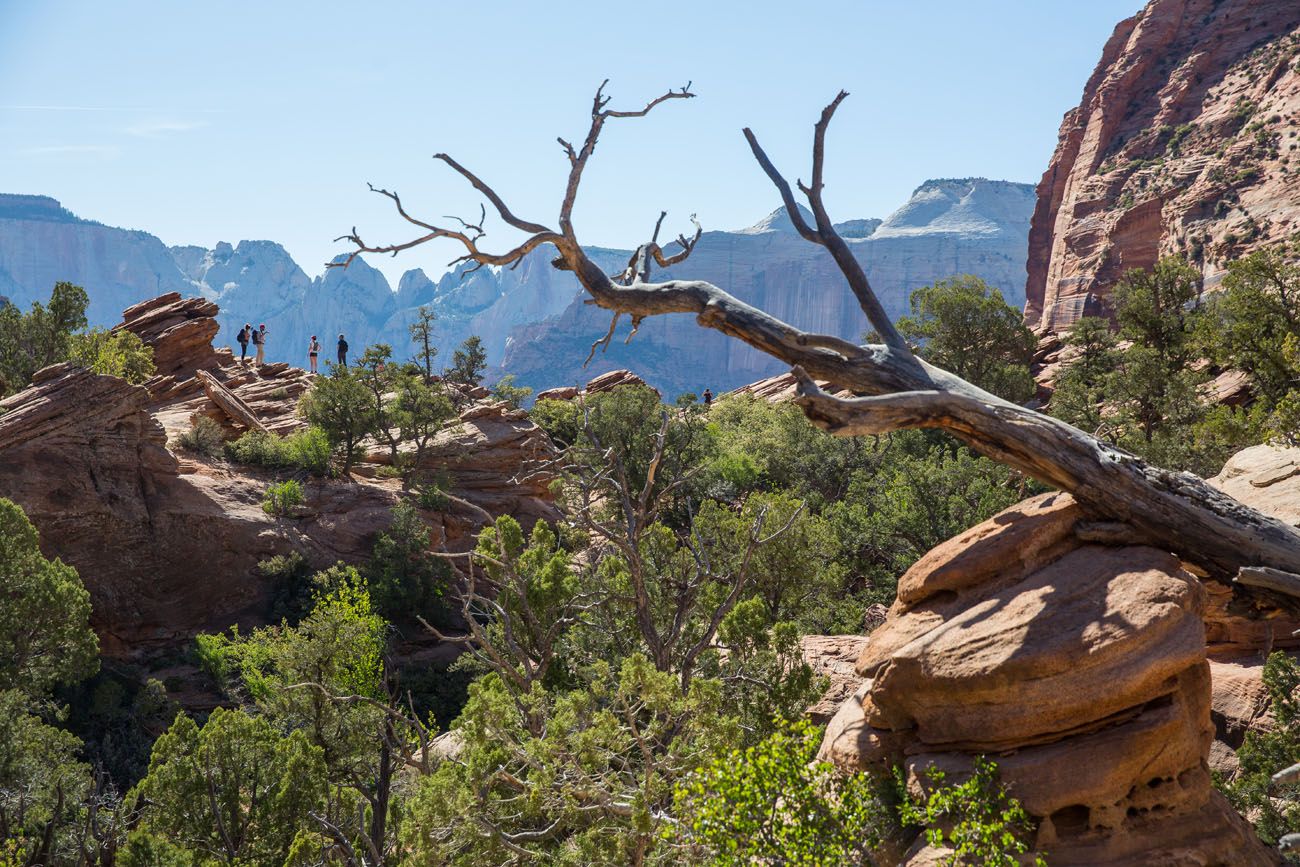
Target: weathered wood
1286, 776
229, 402
1176, 510
1287, 583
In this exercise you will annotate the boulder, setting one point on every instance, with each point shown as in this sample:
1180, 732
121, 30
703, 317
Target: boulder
179, 330
1079, 668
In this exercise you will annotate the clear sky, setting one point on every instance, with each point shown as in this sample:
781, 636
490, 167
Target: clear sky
203, 122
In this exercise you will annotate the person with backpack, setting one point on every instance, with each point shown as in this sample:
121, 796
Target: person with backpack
708, 397
259, 340
313, 349
242, 339
343, 352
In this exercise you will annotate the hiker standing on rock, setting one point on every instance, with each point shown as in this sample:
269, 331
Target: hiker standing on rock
259, 340
708, 397
242, 339
313, 349
343, 352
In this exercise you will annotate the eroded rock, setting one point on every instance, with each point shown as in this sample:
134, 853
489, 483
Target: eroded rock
1079, 668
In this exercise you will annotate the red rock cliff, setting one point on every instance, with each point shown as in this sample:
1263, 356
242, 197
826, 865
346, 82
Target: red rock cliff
1184, 142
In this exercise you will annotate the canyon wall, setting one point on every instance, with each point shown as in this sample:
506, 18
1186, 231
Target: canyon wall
1184, 143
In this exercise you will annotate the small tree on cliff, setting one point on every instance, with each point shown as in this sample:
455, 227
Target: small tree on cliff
343, 408
45, 636
468, 362
421, 331
376, 372
45, 641
964, 326
40, 337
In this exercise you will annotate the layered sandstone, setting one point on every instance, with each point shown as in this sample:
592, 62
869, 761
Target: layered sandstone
167, 541
605, 382
1079, 668
1183, 143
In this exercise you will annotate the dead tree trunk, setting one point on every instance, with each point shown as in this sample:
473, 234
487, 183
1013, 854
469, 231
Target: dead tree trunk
1178, 511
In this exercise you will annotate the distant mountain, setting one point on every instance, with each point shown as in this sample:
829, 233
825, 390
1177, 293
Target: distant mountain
531, 318
947, 227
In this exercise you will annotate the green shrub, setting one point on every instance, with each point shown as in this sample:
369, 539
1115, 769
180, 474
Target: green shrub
404, 578
257, 448
977, 819
775, 803
307, 449
559, 418
513, 395
1274, 811
291, 586
431, 497
281, 498
205, 437
114, 353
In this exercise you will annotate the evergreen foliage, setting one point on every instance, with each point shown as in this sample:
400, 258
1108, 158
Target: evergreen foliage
40, 337
114, 353
468, 362
965, 326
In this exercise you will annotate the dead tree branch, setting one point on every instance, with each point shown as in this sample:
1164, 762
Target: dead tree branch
1176, 510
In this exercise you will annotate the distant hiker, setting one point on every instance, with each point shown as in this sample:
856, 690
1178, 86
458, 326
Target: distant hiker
343, 352
259, 340
244, 334
313, 349
708, 397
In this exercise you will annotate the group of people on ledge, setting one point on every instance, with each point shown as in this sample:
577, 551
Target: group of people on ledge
257, 336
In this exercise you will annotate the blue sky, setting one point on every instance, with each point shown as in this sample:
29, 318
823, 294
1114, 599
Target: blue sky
202, 122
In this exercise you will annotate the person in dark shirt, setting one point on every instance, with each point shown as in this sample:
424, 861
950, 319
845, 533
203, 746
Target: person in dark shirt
343, 352
708, 397
244, 334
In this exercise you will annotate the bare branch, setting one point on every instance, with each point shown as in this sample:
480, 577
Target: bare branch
491, 195
825, 233
604, 341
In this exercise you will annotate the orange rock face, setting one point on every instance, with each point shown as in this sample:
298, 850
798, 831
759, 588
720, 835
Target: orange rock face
168, 542
1079, 668
1184, 142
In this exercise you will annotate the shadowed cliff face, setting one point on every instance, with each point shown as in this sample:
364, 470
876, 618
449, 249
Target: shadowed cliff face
1184, 142
947, 227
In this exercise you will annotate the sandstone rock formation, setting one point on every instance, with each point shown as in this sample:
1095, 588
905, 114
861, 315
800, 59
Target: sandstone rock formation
166, 541
1181, 144
1079, 668
605, 382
